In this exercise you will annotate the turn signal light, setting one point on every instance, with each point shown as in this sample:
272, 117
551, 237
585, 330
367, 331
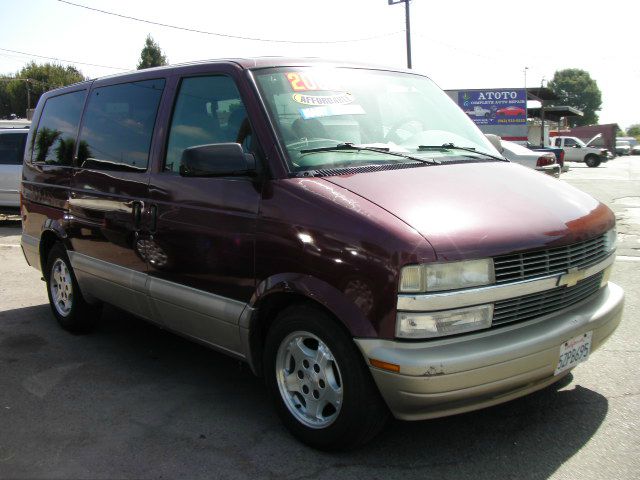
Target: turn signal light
392, 367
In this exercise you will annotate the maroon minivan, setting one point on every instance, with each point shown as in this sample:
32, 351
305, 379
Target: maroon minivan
347, 231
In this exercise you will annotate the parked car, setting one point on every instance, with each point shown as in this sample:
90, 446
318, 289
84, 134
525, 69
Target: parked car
511, 111
623, 147
575, 150
558, 152
409, 270
11, 123
12, 143
542, 162
635, 150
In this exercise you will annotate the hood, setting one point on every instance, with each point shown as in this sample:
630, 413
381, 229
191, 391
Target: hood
478, 210
594, 138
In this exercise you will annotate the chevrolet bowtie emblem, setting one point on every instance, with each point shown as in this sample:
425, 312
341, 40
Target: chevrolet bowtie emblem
572, 277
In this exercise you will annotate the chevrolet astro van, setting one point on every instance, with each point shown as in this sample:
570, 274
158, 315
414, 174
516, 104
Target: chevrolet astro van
346, 231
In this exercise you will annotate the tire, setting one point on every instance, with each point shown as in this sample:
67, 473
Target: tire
68, 305
312, 363
592, 161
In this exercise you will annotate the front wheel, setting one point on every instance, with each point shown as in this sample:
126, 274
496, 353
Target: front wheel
592, 161
317, 379
67, 303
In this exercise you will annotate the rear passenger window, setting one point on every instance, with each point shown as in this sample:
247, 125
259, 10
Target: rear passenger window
207, 110
12, 148
54, 141
118, 126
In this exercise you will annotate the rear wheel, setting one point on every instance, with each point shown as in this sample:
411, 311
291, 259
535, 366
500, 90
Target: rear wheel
592, 161
67, 303
321, 388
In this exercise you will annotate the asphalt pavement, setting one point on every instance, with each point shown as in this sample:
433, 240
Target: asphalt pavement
133, 401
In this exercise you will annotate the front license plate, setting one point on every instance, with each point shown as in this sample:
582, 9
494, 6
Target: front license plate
573, 352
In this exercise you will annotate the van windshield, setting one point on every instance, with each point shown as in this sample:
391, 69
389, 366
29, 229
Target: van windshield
381, 113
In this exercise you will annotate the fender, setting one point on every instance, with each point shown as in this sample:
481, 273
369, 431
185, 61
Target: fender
58, 226
51, 228
343, 308
40, 235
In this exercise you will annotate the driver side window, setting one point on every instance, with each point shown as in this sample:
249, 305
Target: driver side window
207, 110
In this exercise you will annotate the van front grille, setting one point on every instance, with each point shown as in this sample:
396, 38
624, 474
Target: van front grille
539, 263
538, 304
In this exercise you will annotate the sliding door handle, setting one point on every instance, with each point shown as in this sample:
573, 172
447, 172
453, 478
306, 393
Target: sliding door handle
153, 220
136, 209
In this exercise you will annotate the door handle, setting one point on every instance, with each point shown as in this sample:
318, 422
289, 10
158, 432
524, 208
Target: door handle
153, 221
136, 209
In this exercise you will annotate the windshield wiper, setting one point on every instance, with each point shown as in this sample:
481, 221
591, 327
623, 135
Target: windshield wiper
451, 146
356, 148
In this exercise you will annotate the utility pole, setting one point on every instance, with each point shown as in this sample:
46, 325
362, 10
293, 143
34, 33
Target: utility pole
407, 27
526, 101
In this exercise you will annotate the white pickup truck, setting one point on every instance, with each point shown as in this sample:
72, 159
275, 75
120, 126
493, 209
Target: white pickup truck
575, 150
478, 112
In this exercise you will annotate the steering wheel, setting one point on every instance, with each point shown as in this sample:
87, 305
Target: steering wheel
393, 133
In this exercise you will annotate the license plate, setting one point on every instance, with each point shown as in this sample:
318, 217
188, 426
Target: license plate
573, 352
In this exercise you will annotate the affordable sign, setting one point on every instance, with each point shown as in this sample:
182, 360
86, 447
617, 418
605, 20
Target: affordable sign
495, 107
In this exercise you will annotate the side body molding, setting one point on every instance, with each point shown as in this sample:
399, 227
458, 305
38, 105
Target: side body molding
119, 286
31, 250
201, 316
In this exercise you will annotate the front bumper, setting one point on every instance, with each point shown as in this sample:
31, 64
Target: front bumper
454, 375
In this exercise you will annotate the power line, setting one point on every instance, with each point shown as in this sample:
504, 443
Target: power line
226, 35
62, 59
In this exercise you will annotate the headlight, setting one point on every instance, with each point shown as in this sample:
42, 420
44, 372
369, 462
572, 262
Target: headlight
611, 240
446, 276
448, 322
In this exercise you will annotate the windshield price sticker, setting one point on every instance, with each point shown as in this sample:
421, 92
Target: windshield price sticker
573, 352
340, 99
303, 82
330, 111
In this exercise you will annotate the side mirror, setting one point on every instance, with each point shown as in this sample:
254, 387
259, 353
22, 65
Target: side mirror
216, 160
495, 141
577, 146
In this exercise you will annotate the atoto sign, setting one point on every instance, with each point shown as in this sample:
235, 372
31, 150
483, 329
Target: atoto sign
494, 107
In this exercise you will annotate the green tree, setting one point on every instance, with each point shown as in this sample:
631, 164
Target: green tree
64, 150
38, 79
151, 55
44, 141
577, 89
634, 130
620, 133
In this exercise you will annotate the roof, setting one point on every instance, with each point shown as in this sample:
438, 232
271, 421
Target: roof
19, 123
243, 63
266, 62
554, 113
541, 94
24, 130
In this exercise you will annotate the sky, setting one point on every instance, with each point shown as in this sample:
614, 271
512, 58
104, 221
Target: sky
460, 44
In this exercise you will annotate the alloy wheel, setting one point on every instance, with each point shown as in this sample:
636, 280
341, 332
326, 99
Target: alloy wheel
61, 287
309, 379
